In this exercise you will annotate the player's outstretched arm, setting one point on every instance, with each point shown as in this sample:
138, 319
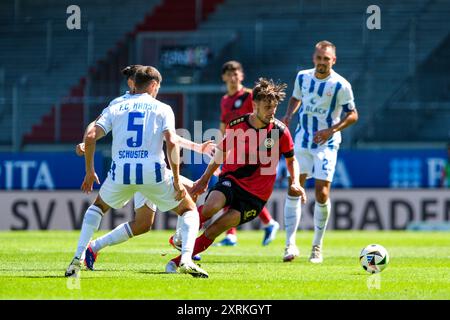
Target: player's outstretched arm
292, 108
173, 155
201, 185
79, 149
90, 141
322, 136
294, 170
350, 118
207, 147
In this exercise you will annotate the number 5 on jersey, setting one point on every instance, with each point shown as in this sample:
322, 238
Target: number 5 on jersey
137, 127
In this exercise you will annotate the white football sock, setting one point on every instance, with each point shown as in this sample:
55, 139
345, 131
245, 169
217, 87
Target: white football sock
91, 222
120, 234
189, 230
231, 236
292, 215
177, 235
270, 223
321, 215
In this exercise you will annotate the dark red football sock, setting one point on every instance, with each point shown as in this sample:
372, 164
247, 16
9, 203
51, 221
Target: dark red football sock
201, 217
265, 216
201, 244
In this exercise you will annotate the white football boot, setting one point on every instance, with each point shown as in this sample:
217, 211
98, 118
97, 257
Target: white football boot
74, 268
290, 253
316, 254
193, 269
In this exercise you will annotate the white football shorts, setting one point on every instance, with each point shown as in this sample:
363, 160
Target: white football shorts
140, 200
317, 163
160, 194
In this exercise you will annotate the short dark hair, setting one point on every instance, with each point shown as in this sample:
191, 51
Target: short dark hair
129, 71
326, 43
232, 66
145, 75
265, 89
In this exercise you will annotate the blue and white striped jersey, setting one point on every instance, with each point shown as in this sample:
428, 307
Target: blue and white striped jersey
322, 102
137, 123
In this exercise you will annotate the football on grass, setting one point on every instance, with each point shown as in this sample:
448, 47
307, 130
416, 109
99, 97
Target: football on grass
374, 258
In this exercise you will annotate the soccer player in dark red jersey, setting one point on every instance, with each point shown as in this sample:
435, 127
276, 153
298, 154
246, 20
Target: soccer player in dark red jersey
250, 152
235, 103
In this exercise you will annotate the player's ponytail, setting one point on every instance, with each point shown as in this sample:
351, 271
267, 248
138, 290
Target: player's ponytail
130, 71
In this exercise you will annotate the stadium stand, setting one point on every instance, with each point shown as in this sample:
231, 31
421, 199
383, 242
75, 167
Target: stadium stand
44, 79
406, 65
169, 15
384, 66
274, 43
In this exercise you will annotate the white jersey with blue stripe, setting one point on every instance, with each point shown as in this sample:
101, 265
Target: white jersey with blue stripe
322, 102
137, 123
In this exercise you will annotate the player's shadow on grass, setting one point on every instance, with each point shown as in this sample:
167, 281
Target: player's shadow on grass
83, 278
27, 270
42, 277
132, 270
152, 272
32, 277
217, 261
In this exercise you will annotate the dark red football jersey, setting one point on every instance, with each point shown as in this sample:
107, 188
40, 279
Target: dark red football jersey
254, 154
237, 105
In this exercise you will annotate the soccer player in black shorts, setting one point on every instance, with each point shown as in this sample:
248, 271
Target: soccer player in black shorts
250, 152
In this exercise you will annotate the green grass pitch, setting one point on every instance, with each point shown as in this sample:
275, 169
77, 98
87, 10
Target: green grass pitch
33, 264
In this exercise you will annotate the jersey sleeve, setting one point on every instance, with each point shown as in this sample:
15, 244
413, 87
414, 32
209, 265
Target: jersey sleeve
297, 92
222, 112
168, 120
286, 144
345, 98
248, 104
105, 120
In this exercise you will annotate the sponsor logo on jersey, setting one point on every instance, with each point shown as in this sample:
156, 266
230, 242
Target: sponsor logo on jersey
311, 109
226, 183
236, 121
269, 143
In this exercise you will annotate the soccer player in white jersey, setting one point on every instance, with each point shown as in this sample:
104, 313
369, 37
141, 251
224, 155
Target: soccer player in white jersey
139, 123
144, 208
322, 95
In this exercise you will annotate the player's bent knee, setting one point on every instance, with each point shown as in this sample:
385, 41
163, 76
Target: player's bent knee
322, 194
187, 204
215, 202
141, 229
209, 209
101, 204
322, 197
